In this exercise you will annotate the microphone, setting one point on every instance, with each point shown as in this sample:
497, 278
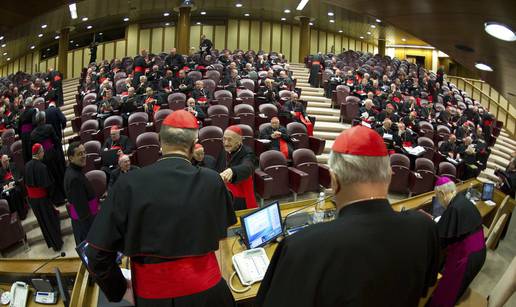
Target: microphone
301, 209
62, 254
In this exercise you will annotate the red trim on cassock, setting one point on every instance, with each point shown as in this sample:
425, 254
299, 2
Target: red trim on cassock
8, 175
57, 78
244, 189
307, 123
171, 279
407, 144
283, 147
36, 192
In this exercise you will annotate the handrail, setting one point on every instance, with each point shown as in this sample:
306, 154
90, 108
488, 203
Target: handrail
511, 129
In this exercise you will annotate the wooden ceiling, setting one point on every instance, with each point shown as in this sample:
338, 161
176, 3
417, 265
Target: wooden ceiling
439, 23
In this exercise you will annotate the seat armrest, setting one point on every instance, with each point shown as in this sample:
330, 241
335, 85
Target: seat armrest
297, 180
263, 183
235, 120
324, 176
238, 101
316, 145
260, 147
207, 121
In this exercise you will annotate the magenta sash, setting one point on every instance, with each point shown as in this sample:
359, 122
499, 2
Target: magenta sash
26, 128
94, 209
47, 144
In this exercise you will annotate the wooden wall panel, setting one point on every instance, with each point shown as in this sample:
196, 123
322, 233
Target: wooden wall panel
345, 43
195, 36
144, 39
286, 40
338, 43
16, 65
220, 37
69, 64
266, 36
295, 45
170, 39
232, 39
109, 51
322, 42
120, 49
313, 41
86, 57
132, 39
243, 36
77, 63
255, 34
276, 37
208, 31
157, 41
330, 42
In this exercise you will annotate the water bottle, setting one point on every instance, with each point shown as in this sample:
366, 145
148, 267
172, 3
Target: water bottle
318, 216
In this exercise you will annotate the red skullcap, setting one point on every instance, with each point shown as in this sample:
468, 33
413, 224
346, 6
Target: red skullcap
181, 119
360, 141
114, 128
390, 106
36, 148
197, 146
235, 129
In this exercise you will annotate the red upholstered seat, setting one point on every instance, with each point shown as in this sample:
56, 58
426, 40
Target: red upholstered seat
176, 101
426, 129
113, 120
213, 75
10, 227
248, 84
224, 98
88, 111
159, 117
93, 159
210, 84
218, 115
245, 114
246, 97
98, 181
400, 166
89, 128
17, 156
248, 136
318, 174
137, 124
89, 99
424, 180
429, 146
448, 170
147, 148
210, 138
194, 75
300, 138
349, 109
341, 93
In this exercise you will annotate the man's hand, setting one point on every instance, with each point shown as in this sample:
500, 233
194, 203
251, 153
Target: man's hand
227, 175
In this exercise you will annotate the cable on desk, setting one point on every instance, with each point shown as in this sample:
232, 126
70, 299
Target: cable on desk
233, 288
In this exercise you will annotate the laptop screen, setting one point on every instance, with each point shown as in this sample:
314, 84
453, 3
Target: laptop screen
487, 191
262, 226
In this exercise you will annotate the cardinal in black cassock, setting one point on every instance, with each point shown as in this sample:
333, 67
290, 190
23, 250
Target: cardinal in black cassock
462, 236
25, 127
370, 255
170, 232
10, 178
279, 138
236, 166
317, 64
40, 186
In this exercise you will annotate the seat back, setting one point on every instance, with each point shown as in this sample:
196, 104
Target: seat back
98, 181
8, 137
88, 128
17, 155
247, 136
274, 164
219, 115
448, 170
194, 75
92, 149
304, 160
503, 208
428, 144
494, 236
89, 99
427, 130
147, 148
224, 98
87, 112
248, 84
352, 105
113, 120
176, 101
269, 110
159, 117
10, 226
137, 124
342, 94
119, 86
246, 114
247, 97
210, 84
210, 138
424, 164
214, 76
298, 132
400, 166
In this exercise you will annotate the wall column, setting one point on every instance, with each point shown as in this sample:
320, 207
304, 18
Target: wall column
304, 38
62, 65
381, 41
183, 30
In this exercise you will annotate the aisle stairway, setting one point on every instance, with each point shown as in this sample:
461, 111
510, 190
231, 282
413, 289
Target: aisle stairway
500, 156
327, 125
69, 92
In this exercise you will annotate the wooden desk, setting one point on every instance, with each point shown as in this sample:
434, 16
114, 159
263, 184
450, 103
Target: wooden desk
67, 266
30, 298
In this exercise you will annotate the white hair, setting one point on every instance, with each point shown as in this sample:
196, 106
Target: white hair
446, 188
357, 169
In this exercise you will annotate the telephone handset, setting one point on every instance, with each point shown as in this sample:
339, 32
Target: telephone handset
19, 294
251, 265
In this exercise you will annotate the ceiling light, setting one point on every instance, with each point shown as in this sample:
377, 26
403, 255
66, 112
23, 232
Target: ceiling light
482, 66
84, 18
373, 26
198, 23
361, 37
238, 5
247, 14
5, 53
368, 33
332, 20
330, 14
404, 39
166, 14
40, 35
301, 5
32, 47
71, 42
101, 33
340, 31
56, 37
203, 13
283, 18
310, 23
126, 19
76, 45
73, 10
43, 26
287, 11
1, 38
89, 27
167, 24
500, 31
378, 20
3, 45
8, 59
48, 49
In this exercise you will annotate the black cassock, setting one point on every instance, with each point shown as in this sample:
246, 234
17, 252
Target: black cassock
83, 203
40, 186
370, 256
14, 196
317, 63
183, 213
461, 234
53, 159
139, 69
25, 127
282, 144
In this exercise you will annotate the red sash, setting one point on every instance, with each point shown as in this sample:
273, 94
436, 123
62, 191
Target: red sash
57, 78
8, 175
430, 98
171, 279
138, 69
116, 147
102, 79
244, 189
156, 107
316, 63
307, 123
202, 99
36, 192
407, 144
283, 147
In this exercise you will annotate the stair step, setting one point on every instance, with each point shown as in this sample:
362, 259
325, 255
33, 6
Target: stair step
496, 150
331, 127
310, 90
327, 118
327, 146
31, 222
315, 99
323, 158
318, 104
323, 111
327, 135
507, 141
35, 235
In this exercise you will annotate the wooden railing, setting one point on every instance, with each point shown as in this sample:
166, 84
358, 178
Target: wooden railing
490, 99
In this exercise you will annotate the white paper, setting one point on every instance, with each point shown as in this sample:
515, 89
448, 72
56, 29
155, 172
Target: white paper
365, 124
415, 151
365, 115
387, 136
490, 203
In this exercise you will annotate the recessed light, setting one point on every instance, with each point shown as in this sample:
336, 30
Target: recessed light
378, 20
3, 45
89, 27
373, 26
340, 31
368, 33
1, 38
332, 20
71, 42
56, 37
500, 31
287, 11
73, 10
239, 5
331, 13
76, 45
166, 14
198, 23
5, 53
404, 39
48, 49
40, 35
482, 66
247, 14
310, 23
203, 13
43, 26
361, 37
167, 24
84, 18
126, 19
32, 47
101, 33
283, 18
8, 59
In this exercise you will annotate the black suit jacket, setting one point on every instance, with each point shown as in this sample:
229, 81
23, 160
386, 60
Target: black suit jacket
124, 142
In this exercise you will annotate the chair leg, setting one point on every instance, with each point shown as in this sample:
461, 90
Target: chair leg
26, 245
261, 202
295, 196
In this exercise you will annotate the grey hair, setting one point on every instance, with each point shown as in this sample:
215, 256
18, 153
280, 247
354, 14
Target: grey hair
40, 118
357, 169
446, 188
28, 102
177, 137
